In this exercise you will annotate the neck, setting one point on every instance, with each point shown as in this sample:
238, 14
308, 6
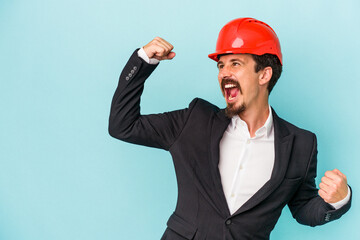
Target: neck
255, 117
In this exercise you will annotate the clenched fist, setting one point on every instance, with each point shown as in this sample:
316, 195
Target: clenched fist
160, 49
333, 186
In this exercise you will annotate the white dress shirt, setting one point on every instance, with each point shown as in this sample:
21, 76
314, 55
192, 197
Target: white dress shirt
245, 163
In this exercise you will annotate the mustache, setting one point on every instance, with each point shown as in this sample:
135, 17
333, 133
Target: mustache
225, 81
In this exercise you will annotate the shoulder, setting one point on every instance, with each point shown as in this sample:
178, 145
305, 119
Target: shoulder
298, 132
201, 104
202, 107
304, 143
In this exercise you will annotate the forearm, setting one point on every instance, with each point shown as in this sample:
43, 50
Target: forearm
317, 212
307, 206
125, 106
311, 212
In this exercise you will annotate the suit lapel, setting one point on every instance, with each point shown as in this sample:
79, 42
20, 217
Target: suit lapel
207, 173
218, 128
283, 144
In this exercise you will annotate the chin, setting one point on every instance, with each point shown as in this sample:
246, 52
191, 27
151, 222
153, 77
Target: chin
232, 110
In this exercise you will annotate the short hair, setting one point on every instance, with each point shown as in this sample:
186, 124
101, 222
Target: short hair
268, 60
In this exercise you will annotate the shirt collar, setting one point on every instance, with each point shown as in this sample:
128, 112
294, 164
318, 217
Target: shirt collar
238, 123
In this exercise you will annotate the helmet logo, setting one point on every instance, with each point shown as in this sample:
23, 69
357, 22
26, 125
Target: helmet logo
238, 43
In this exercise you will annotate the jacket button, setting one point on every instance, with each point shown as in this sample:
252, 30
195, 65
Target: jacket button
327, 217
228, 222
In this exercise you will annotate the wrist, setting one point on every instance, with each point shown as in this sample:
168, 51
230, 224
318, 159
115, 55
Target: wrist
142, 54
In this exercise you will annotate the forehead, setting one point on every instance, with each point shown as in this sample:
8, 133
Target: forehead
244, 57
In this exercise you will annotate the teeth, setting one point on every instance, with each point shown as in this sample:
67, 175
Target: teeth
230, 85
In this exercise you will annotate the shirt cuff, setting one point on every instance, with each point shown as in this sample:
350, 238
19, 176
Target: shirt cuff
341, 203
141, 53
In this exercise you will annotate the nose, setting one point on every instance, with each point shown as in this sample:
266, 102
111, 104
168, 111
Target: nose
225, 72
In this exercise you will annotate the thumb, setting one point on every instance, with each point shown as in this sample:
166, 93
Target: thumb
337, 171
170, 56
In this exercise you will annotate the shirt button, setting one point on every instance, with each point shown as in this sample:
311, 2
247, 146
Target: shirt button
232, 195
132, 71
228, 222
130, 75
127, 78
248, 141
134, 67
241, 167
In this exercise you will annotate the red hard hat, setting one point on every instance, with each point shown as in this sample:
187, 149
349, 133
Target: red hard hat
247, 35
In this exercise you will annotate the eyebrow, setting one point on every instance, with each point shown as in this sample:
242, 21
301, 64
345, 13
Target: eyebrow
232, 60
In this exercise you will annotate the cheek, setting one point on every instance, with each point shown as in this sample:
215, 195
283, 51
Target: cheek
219, 80
248, 81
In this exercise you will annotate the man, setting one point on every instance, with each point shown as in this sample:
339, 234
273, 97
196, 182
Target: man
236, 167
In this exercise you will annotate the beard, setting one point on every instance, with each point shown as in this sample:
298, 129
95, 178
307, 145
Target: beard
231, 110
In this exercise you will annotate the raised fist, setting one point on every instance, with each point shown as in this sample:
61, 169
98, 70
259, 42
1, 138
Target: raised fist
159, 49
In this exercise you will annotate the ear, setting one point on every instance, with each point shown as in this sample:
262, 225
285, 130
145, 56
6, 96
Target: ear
265, 76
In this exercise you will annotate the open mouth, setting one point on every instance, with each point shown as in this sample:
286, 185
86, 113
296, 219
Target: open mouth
231, 90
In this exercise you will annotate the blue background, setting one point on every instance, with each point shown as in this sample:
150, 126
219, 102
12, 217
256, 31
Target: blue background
63, 177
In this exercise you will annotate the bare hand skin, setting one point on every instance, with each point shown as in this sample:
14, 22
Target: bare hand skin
160, 49
333, 186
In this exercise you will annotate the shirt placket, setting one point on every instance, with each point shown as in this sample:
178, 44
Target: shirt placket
239, 167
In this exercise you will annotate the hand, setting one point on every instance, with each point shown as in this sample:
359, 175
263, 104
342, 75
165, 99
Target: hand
333, 186
160, 49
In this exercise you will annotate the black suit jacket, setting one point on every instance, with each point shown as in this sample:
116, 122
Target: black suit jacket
192, 136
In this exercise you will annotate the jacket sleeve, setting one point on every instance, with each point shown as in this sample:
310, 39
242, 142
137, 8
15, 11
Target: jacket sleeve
125, 121
307, 207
